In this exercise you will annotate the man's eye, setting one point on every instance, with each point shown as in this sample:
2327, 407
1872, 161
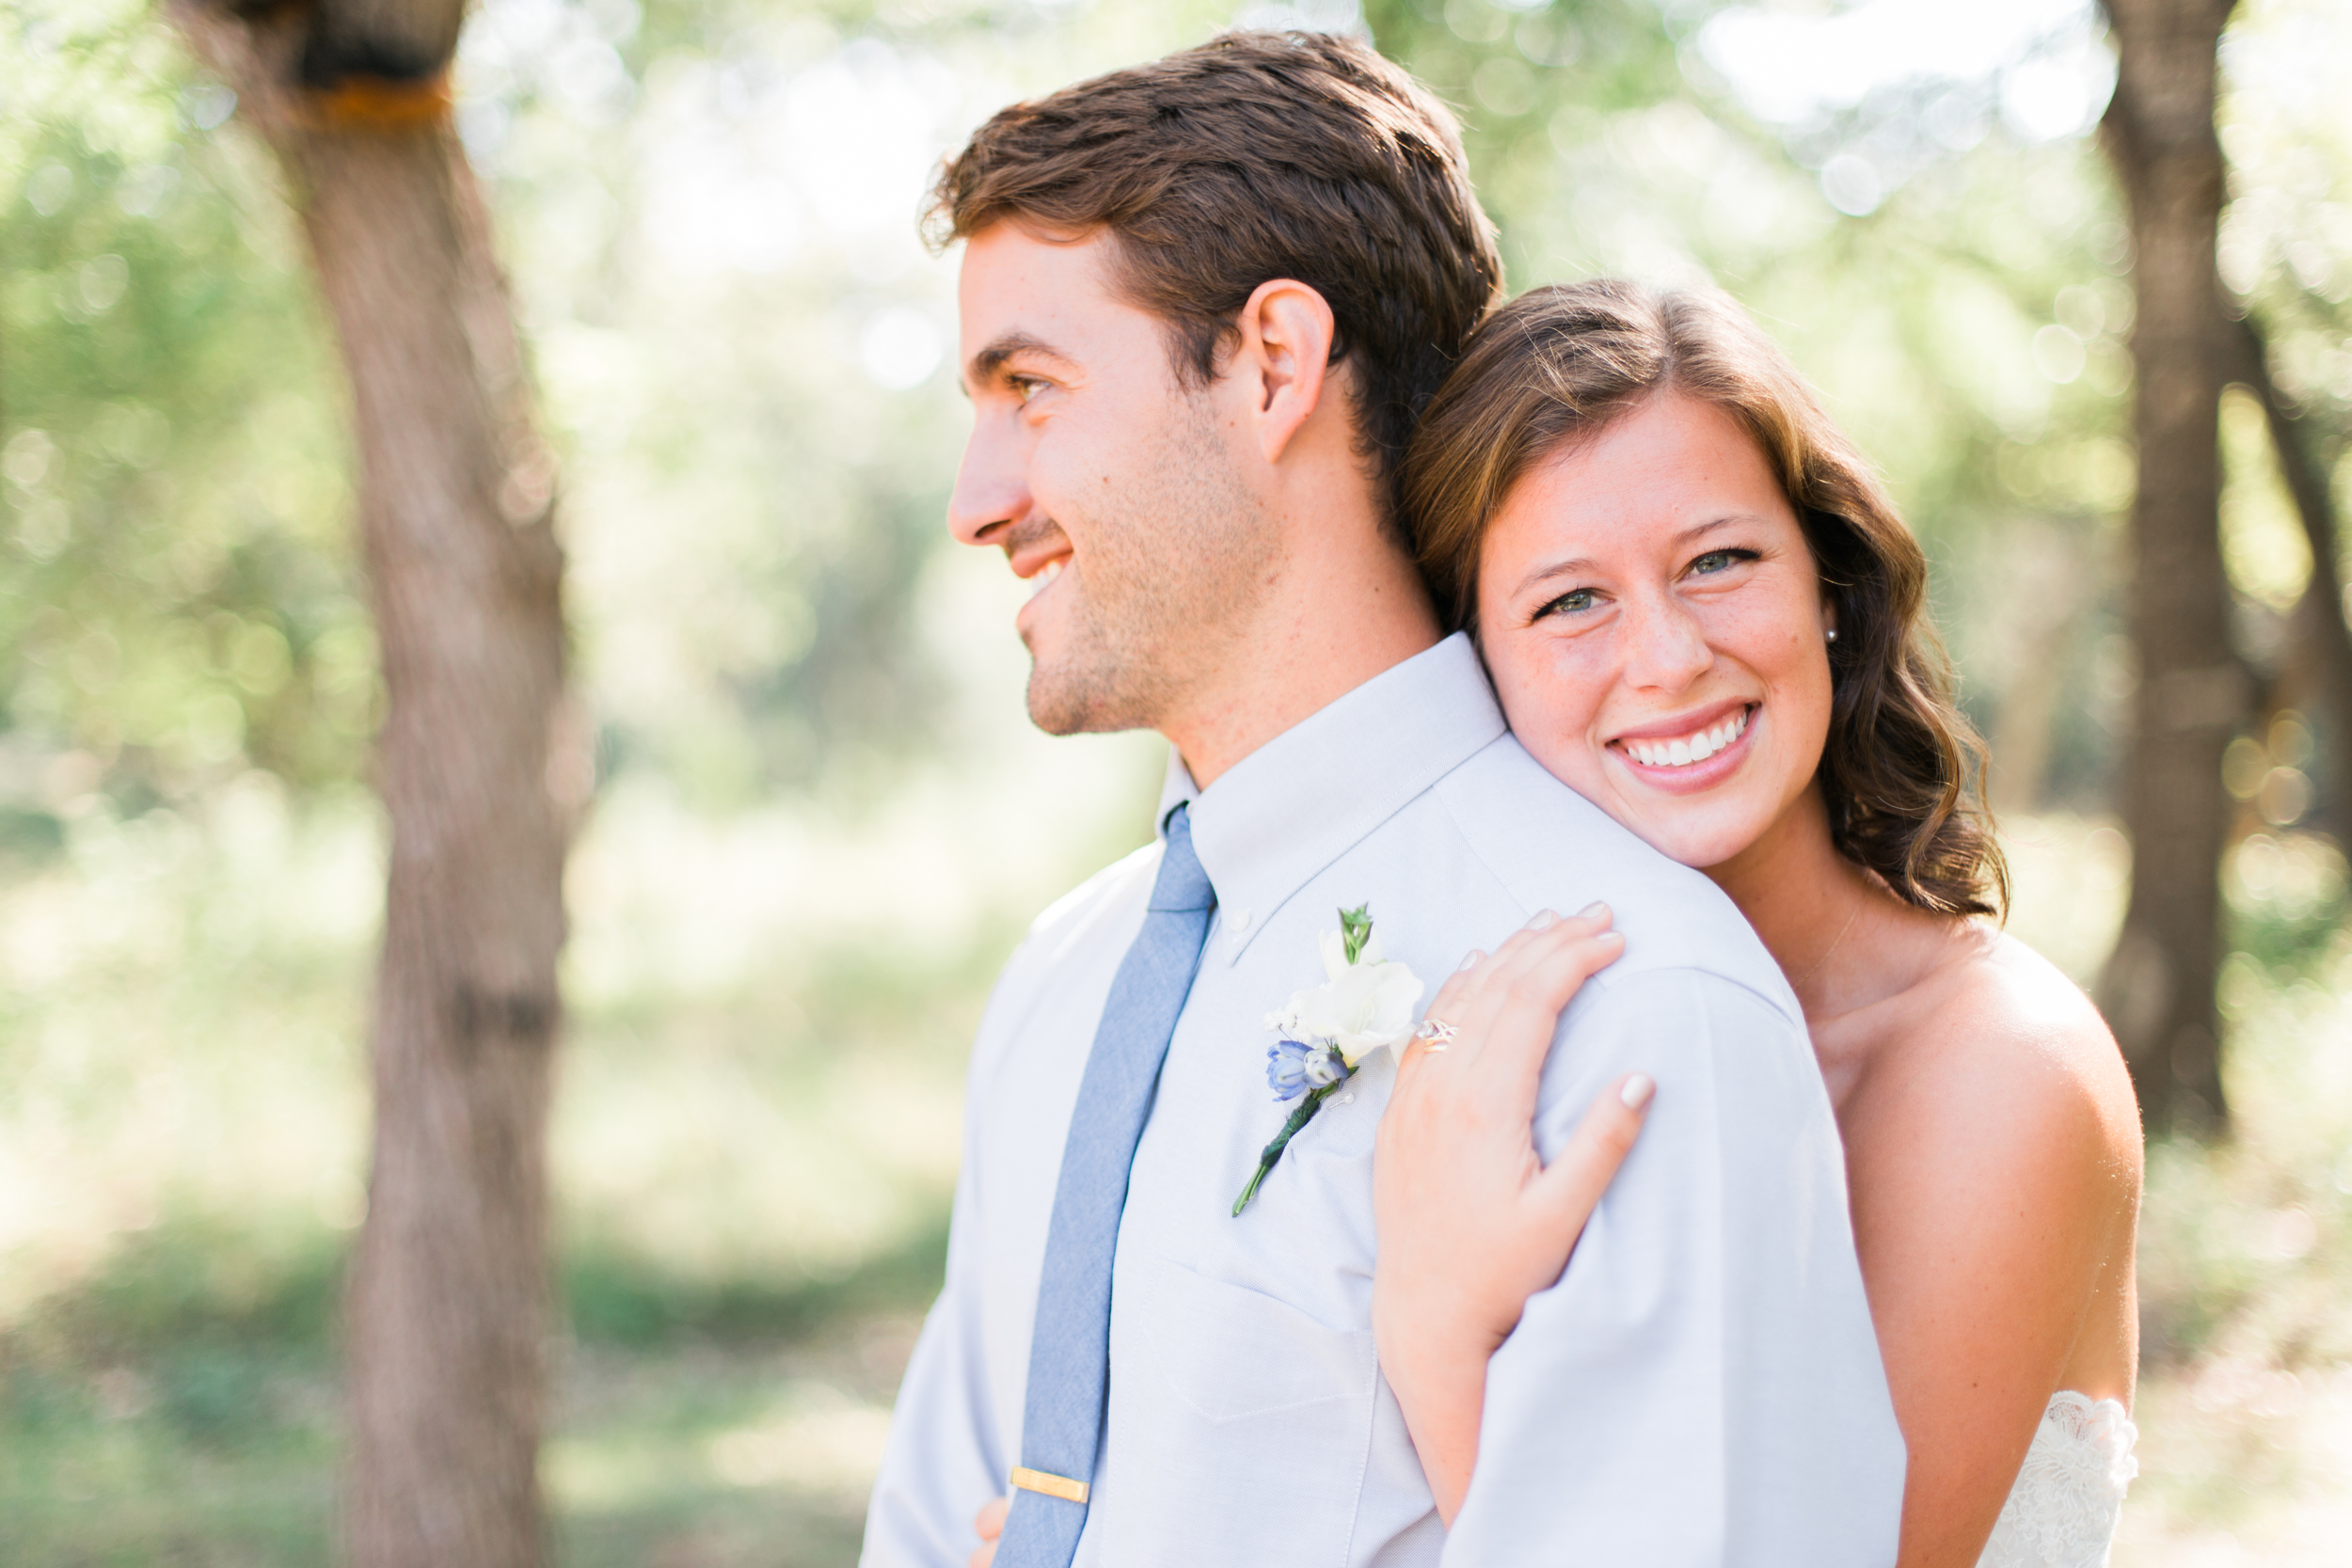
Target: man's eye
1027, 387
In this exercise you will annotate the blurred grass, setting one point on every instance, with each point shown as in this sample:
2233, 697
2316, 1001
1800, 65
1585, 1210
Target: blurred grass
755, 1142
754, 1152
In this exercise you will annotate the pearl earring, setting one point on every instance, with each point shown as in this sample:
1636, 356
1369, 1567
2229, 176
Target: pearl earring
1832, 634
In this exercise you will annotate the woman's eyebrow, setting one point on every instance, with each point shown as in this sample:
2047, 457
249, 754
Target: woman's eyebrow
1727, 519
1574, 567
1579, 565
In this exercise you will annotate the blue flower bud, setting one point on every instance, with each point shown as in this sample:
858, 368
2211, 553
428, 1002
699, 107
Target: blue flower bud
1286, 1069
1293, 1067
1324, 1068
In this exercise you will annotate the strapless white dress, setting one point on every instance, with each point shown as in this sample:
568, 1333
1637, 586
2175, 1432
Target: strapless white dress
2063, 1510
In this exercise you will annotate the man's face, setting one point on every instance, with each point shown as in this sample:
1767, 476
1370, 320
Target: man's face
1108, 484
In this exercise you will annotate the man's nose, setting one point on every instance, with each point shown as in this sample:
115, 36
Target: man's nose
992, 493
1665, 647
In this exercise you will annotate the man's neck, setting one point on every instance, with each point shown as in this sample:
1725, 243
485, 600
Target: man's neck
1327, 630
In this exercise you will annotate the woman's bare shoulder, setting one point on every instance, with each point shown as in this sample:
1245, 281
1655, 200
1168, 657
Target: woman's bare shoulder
1995, 1045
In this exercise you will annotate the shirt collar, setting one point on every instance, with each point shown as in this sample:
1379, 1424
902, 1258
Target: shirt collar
1304, 798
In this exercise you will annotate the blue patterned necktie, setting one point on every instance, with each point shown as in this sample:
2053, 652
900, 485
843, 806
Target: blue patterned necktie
1061, 1424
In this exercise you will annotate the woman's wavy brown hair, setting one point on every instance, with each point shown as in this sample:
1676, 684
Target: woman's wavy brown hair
1554, 365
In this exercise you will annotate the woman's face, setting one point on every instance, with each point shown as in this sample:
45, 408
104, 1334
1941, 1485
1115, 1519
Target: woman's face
1653, 623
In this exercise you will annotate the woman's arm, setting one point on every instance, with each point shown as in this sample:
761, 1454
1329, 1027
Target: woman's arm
1472, 1222
1994, 1181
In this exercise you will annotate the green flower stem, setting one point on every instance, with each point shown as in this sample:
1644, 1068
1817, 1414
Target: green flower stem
1273, 1151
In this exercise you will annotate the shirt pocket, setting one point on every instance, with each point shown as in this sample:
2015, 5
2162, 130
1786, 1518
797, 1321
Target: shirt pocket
1243, 1427
1320, 1191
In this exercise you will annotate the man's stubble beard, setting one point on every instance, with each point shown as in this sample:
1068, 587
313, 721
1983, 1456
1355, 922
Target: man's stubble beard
1162, 604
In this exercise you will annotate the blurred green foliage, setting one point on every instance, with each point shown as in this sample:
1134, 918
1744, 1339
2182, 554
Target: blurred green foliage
707, 212
175, 594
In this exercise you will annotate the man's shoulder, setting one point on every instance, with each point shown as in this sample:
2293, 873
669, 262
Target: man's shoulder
1072, 948
1078, 919
1552, 849
1125, 878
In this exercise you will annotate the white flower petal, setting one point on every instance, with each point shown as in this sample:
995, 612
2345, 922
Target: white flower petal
1360, 1008
1334, 948
1381, 1014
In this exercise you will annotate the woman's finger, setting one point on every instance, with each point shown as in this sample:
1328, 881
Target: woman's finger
1520, 1031
989, 1522
1475, 994
1477, 987
1532, 941
1445, 1010
1569, 1188
1531, 978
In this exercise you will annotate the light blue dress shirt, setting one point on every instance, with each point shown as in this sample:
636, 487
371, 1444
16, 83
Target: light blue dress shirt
1702, 1387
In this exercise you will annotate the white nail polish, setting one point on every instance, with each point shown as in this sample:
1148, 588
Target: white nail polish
1637, 1091
1544, 918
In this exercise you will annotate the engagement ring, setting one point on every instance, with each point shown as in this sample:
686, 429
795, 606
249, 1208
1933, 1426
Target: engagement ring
1434, 1033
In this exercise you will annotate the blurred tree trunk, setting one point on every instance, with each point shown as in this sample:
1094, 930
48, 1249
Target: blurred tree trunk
2157, 990
2318, 670
447, 1303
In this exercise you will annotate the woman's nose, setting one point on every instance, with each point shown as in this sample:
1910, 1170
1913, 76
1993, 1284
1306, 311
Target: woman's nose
992, 491
1665, 648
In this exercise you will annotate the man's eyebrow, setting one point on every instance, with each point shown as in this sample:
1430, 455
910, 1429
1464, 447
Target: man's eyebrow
1580, 566
990, 358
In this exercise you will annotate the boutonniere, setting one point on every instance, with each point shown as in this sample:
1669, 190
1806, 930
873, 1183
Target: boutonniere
1363, 1003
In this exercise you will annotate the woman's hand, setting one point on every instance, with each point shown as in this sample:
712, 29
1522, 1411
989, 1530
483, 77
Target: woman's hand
989, 1522
1471, 1222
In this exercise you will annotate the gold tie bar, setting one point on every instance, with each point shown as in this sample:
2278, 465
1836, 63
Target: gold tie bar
1051, 1486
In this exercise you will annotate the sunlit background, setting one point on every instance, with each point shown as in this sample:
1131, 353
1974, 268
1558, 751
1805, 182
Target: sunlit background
822, 817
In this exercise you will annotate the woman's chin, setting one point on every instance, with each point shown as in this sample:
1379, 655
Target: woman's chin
1697, 838
1697, 831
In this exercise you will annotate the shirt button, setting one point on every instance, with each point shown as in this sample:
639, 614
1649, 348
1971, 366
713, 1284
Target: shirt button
1241, 920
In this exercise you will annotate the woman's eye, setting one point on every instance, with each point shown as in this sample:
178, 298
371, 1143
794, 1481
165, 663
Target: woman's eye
1719, 561
1575, 601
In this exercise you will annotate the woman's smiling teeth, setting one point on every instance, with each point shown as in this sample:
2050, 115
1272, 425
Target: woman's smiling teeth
1685, 749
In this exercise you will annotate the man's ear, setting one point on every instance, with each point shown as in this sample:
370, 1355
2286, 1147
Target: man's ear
1284, 359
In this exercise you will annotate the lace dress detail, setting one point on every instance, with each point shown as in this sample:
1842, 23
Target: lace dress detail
2062, 1512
